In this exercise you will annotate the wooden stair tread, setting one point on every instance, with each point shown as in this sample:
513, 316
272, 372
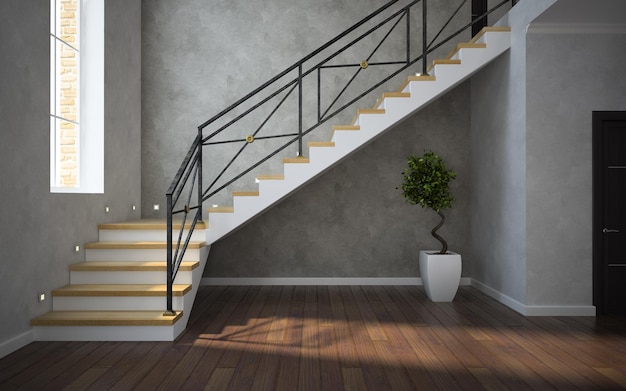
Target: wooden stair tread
321, 144
346, 127
137, 245
221, 209
115, 266
366, 111
416, 78
490, 29
385, 95
149, 224
299, 159
106, 318
107, 290
342, 128
270, 177
443, 61
245, 193
446, 61
467, 45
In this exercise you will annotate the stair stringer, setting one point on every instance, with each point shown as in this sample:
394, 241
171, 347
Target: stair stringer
371, 125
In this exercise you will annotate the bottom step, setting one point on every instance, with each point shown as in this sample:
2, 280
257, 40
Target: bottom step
108, 326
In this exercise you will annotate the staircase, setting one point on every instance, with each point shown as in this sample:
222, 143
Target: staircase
392, 107
119, 292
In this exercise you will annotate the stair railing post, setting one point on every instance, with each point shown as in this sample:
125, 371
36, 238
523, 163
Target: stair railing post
199, 212
170, 268
300, 110
424, 40
408, 35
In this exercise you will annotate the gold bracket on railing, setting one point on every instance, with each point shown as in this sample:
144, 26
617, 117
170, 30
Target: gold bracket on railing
250, 139
364, 64
187, 209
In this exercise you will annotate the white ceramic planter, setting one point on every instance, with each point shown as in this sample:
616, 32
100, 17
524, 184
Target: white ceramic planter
441, 274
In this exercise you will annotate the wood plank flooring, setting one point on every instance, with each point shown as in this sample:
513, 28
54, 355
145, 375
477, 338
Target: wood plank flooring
340, 338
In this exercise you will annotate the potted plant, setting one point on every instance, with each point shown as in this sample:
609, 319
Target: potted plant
426, 183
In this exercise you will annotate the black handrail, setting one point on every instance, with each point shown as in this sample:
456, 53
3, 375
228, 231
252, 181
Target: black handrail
189, 175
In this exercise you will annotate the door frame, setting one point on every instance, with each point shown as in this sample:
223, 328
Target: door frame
599, 284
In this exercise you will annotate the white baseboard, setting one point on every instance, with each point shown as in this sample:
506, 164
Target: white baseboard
238, 281
526, 310
16, 343
500, 297
534, 310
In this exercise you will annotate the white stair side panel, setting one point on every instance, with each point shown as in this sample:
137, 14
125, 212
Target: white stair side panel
127, 277
118, 303
136, 255
136, 235
324, 157
497, 41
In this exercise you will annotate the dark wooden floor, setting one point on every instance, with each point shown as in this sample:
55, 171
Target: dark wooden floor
340, 338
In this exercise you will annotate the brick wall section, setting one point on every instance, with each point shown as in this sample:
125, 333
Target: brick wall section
68, 93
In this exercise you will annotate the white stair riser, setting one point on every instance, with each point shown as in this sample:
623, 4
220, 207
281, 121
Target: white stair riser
132, 277
134, 235
116, 303
109, 333
135, 255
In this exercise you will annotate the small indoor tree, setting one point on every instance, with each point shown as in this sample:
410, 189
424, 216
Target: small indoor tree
426, 183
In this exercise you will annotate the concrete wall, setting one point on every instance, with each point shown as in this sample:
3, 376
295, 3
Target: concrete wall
352, 221
39, 230
569, 75
198, 59
498, 164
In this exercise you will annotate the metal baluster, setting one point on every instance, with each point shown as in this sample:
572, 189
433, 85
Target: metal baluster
300, 110
200, 146
170, 269
424, 38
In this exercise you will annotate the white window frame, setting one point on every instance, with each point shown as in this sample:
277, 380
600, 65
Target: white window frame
91, 100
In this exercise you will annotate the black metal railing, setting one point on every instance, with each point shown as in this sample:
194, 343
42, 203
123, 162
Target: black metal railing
382, 27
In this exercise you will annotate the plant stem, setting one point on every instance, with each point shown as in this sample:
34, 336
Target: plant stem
444, 248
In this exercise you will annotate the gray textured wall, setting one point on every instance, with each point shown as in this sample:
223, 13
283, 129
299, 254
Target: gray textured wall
198, 59
569, 76
498, 144
201, 57
39, 229
352, 222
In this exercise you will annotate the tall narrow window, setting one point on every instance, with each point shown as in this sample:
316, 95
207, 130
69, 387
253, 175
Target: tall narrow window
65, 92
76, 96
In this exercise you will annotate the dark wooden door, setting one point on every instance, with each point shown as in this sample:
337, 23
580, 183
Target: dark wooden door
609, 194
